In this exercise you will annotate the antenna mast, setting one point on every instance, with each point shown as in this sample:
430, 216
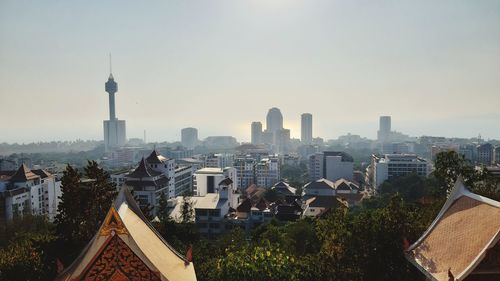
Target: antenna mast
110, 65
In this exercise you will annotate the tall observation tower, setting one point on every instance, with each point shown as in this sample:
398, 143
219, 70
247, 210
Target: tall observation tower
111, 88
114, 129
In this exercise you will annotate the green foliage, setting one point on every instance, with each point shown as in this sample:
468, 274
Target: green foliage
296, 176
26, 249
450, 165
83, 206
187, 210
257, 263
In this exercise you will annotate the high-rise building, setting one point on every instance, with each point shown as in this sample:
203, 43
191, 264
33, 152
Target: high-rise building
384, 131
306, 128
256, 132
189, 137
114, 129
274, 120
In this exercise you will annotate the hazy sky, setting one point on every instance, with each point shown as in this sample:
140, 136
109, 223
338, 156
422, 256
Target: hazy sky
219, 65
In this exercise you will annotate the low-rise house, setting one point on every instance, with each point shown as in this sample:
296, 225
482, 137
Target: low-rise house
315, 206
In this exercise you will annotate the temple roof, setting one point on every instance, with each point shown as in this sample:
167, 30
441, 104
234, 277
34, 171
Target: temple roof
155, 158
465, 229
23, 174
42, 173
126, 227
143, 171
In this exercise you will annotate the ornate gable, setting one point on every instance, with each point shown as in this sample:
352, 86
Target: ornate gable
117, 262
112, 222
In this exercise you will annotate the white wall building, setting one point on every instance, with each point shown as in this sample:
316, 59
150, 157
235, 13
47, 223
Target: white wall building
331, 165
206, 180
267, 172
395, 165
245, 170
29, 191
219, 160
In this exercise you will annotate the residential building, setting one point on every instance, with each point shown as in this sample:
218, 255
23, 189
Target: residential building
267, 172
306, 134
223, 142
245, 170
256, 132
183, 180
29, 191
154, 175
322, 195
485, 154
206, 180
390, 166
468, 151
462, 243
284, 189
219, 160
127, 247
148, 184
396, 147
178, 153
189, 137
210, 207
443, 147
331, 165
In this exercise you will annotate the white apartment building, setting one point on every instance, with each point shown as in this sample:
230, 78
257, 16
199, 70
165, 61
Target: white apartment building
390, 166
219, 160
245, 170
331, 165
206, 180
267, 172
29, 191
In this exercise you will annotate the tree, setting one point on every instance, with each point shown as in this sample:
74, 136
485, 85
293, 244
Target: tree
83, 207
449, 166
187, 210
26, 249
162, 213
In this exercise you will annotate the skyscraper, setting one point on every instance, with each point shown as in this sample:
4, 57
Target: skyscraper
274, 120
256, 133
114, 129
306, 128
189, 137
384, 131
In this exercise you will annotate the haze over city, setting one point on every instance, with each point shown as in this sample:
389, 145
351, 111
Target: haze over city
219, 65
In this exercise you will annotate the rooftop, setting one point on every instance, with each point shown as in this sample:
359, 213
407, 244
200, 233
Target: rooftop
460, 237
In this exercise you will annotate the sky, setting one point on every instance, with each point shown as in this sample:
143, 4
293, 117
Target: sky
434, 66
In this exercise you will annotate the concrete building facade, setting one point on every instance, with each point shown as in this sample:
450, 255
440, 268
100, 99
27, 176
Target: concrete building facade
330, 165
306, 134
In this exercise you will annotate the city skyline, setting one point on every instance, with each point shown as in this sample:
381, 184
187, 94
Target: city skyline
341, 61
